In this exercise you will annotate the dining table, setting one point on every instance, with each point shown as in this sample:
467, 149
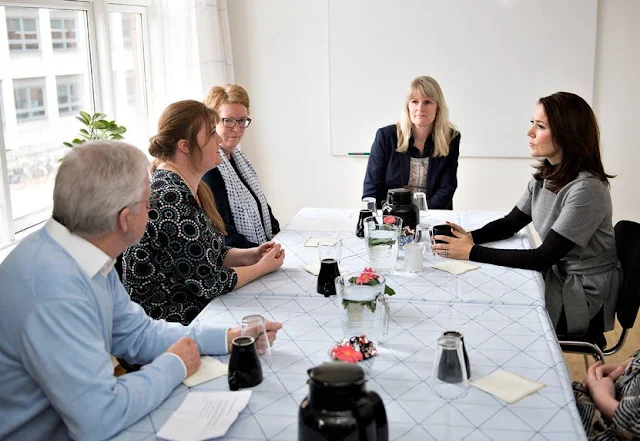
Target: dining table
500, 311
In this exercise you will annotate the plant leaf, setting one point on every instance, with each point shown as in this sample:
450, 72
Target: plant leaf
388, 291
117, 136
85, 117
68, 144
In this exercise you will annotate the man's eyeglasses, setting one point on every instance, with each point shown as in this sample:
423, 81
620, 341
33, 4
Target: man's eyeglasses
150, 203
230, 122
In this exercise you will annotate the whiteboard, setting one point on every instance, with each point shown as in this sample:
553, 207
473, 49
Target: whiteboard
493, 59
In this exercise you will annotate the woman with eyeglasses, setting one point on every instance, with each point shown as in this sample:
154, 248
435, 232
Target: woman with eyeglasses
182, 261
419, 152
241, 201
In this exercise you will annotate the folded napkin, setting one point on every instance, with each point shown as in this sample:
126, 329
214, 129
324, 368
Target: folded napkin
507, 386
315, 241
210, 368
313, 268
456, 266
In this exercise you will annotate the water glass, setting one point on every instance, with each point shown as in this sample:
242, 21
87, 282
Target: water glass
254, 326
364, 213
449, 376
420, 199
369, 203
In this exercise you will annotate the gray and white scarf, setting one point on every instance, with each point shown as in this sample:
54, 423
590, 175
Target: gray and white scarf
246, 213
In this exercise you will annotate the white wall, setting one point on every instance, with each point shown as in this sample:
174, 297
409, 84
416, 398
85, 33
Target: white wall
281, 57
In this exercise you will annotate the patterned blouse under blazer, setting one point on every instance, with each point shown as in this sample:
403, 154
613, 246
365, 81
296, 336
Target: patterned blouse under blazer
176, 268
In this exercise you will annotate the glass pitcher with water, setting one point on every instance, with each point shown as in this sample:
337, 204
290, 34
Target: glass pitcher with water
364, 309
381, 237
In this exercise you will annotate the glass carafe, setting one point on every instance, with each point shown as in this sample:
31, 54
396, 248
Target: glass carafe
381, 237
364, 309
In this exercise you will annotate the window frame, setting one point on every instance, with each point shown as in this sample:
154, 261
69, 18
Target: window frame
101, 93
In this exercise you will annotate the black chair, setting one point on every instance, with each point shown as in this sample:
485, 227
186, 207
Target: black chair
628, 248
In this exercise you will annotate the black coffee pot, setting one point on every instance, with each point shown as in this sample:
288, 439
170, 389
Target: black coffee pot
400, 203
339, 409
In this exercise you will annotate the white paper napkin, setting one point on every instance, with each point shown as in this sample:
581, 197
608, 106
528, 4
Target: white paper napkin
313, 268
314, 241
210, 368
507, 386
456, 266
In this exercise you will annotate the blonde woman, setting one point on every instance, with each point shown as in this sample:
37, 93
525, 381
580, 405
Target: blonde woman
420, 152
181, 263
236, 188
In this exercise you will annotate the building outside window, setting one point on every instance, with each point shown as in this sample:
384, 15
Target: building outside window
29, 98
69, 89
50, 67
22, 33
63, 33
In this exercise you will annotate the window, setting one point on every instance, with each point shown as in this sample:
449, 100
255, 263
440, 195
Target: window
129, 74
63, 33
69, 94
29, 97
49, 71
23, 34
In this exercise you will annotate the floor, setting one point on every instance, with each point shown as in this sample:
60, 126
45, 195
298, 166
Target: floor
576, 362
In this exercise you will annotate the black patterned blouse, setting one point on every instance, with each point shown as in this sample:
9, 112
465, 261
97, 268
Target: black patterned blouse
176, 268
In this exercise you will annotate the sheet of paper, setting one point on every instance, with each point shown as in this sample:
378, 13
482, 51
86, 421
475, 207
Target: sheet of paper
456, 266
210, 368
204, 415
507, 386
315, 241
313, 268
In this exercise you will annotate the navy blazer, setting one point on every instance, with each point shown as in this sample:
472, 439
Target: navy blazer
388, 169
214, 179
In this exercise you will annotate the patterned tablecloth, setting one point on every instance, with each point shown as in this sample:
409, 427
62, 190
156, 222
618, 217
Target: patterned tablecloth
517, 338
499, 310
490, 284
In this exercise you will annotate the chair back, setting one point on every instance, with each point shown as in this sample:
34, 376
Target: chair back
628, 248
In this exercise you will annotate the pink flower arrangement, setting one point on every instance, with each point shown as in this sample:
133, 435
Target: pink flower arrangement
369, 277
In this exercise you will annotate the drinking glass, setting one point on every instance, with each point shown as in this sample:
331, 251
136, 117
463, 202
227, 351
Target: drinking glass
329, 255
420, 199
253, 326
449, 376
413, 257
369, 203
381, 236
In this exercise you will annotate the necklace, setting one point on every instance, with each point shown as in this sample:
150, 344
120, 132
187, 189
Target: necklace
173, 168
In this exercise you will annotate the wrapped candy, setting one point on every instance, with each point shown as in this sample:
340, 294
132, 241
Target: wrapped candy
354, 349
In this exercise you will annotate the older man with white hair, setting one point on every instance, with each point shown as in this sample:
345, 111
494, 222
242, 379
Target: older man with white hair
63, 310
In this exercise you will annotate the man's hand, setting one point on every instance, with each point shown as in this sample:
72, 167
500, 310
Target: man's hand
189, 353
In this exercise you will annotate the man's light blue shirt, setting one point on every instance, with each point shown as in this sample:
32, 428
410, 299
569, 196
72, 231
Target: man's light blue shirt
63, 311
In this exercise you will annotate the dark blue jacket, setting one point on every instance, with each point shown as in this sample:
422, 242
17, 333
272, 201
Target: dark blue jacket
214, 179
388, 169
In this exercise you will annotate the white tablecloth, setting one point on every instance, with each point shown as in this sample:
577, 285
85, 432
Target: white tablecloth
499, 310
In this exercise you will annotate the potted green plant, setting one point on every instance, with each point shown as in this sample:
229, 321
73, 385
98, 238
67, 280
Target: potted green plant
96, 127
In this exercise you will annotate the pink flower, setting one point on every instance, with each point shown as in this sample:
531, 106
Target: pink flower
366, 276
389, 220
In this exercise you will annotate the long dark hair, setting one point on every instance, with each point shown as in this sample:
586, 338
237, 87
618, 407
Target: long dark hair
574, 130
